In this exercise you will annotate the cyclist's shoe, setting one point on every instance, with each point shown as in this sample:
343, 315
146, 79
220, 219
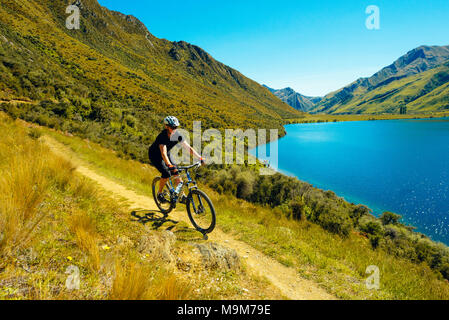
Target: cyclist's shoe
183, 199
161, 198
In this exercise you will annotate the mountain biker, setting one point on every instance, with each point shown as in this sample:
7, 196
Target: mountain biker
159, 154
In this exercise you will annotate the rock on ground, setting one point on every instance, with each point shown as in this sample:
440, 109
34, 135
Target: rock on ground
158, 245
215, 256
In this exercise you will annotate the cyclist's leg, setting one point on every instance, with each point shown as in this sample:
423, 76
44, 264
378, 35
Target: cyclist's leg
162, 183
177, 177
165, 175
159, 164
178, 180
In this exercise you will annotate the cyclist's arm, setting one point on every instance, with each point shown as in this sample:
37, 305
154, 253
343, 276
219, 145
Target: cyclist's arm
192, 151
163, 149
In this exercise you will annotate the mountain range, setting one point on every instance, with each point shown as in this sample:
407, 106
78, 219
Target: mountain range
294, 99
113, 81
419, 80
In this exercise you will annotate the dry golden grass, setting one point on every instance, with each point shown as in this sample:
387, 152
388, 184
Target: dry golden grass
83, 189
172, 288
88, 243
23, 187
80, 220
83, 227
137, 282
130, 283
59, 170
28, 171
23, 190
44, 289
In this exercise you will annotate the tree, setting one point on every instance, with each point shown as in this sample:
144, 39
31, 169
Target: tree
390, 218
299, 209
358, 212
373, 228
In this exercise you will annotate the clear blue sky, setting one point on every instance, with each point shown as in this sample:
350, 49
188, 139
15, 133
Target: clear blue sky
315, 47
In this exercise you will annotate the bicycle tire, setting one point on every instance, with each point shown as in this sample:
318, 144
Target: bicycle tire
190, 203
154, 188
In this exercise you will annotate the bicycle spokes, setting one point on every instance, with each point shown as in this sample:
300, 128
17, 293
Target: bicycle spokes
201, 211
163, 200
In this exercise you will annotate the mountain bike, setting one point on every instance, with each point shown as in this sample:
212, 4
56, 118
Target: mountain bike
199, 207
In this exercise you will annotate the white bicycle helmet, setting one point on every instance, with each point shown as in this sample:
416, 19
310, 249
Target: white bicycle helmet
172, 122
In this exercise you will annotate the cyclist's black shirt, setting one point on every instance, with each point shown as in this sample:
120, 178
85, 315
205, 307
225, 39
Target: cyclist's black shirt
155, 153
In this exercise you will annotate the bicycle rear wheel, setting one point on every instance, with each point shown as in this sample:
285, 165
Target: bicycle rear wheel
166, 205
201, 211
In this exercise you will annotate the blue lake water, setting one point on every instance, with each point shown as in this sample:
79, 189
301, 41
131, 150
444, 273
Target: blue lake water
400, 166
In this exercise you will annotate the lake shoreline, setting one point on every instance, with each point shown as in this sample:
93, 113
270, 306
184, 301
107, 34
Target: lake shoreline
322, 118
346, 197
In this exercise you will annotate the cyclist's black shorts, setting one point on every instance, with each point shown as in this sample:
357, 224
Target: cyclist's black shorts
160, 165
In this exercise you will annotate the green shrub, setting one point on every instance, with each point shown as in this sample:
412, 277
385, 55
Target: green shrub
389, 218
299, 209
131, 121
374, 241
34, 133
372, 228
424, 251
335, 222
444, 270
245, 184
358, 212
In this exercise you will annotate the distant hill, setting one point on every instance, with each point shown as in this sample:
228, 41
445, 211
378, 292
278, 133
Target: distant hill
418, 80
113, 80
294, 99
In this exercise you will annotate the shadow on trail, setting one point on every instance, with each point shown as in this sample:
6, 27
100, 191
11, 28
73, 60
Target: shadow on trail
156, 218
158, 221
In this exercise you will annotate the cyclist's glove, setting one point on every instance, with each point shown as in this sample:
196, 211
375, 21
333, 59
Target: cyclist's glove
173, 170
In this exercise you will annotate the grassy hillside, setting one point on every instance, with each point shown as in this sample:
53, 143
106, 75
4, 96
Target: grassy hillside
320, 235
54, 221
113, 81
419, 81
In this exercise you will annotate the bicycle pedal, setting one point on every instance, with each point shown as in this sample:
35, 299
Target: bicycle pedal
183, 199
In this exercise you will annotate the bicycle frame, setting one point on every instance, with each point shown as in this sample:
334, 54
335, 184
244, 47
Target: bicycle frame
190, 182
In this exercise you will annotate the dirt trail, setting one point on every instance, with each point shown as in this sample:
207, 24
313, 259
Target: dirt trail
284, 278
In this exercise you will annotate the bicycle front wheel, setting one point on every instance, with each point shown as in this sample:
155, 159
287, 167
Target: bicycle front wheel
201, 211
165, 204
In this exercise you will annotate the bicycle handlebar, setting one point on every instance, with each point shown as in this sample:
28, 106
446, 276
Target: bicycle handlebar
198, 164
